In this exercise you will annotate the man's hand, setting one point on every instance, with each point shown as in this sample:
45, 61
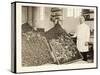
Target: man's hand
73, 35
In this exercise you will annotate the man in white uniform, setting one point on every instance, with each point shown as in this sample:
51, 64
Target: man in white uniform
83, 35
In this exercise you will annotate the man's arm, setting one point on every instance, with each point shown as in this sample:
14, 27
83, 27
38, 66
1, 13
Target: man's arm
87, 36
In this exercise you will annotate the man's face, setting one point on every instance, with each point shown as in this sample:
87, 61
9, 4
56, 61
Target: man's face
82, 20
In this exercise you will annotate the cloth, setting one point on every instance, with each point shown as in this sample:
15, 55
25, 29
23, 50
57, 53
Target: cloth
83, 35
84, 54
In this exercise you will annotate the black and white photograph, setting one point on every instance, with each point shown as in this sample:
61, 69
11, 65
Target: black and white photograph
54, 37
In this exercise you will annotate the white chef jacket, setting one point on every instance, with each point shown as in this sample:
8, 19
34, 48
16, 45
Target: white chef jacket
83, 35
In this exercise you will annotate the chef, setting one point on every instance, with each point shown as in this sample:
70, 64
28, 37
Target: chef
83, 35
